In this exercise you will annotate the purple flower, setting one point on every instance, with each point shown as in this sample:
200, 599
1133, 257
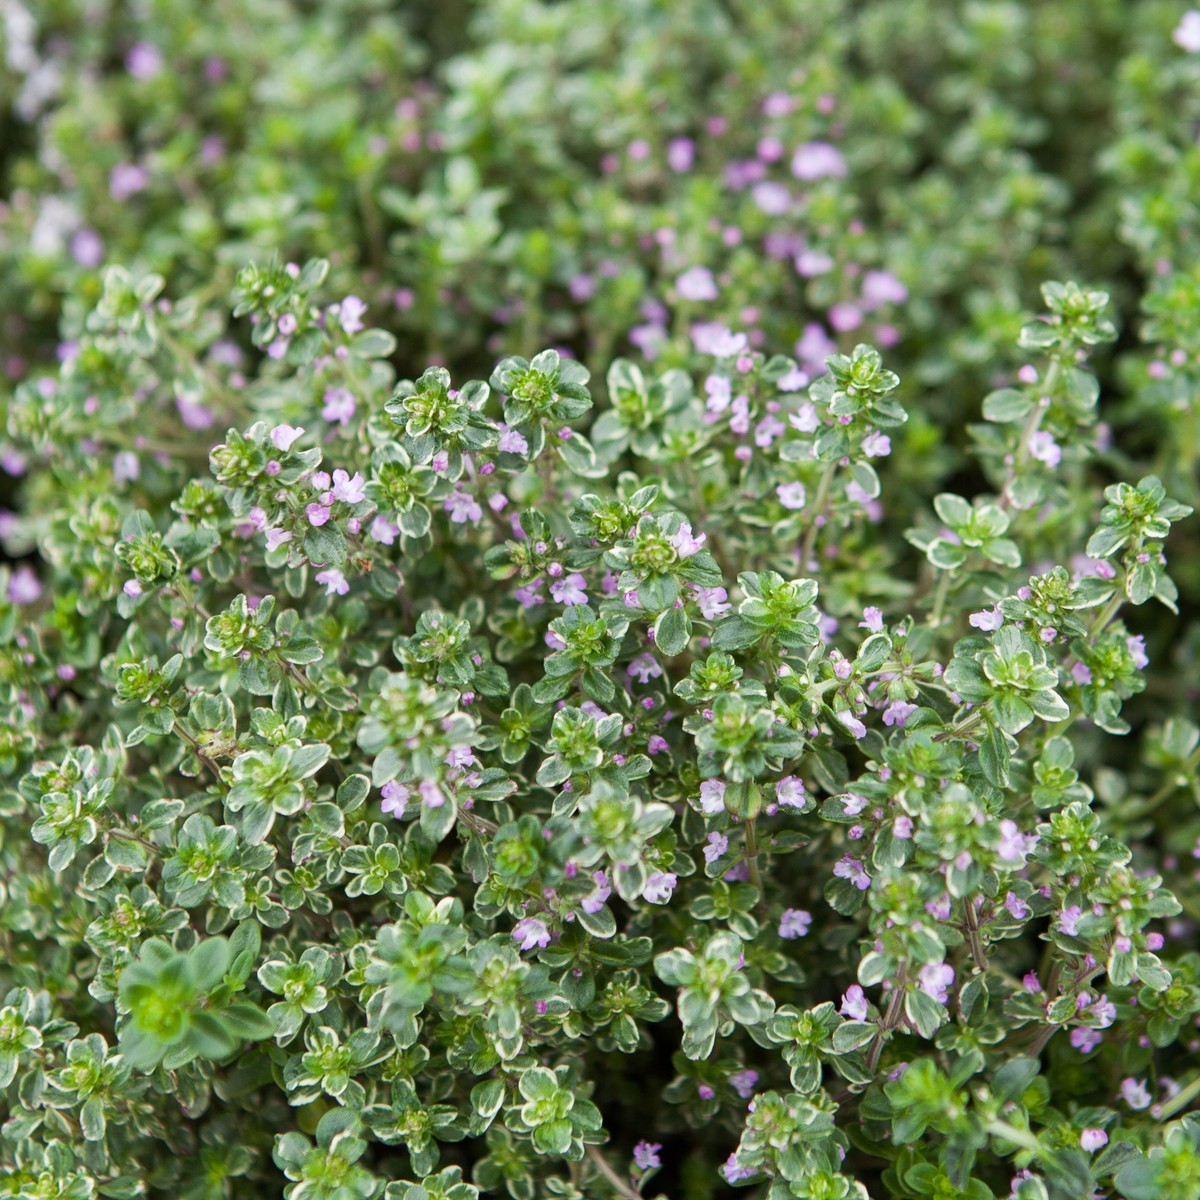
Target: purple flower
935, 979
712, 602
876, 444
712, 797
570, 590
988, 619
734, 1173
1187, 32
1135, 1093
853, 804
644, 668
872, 620
1014, 845
144, 60
657, 744
317, 514
659, 887
1092, 1140
1085, 1040
595, 902
818, 160
1068, 920
789, 791
685, 544
898, 712
880, 288
743, 1082
127, 179
792, 495
462, 507
277, 537
852, 724
511, 442
351, 313
284, 436
854, 1003
395, 798
1045, 449
717, 340
333, 581
852, 869
530, 932
348, 488
1016, 907
794, 923
24, 587
696, 283
340, 405
1137, 649
681, 153
718, 843
645, 1156
383, 531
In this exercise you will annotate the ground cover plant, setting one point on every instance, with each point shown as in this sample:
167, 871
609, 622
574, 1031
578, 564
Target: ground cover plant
600, 600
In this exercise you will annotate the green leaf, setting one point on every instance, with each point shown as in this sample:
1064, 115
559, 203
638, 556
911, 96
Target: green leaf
672, 631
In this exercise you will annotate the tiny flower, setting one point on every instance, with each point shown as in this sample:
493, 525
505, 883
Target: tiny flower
511, 442
644, 668
1031, 983
530, 932
734, 1173
712, 602
569, 590
898, 712
1187, 32
792, 495
1014, 845
1068, 920
790, 792
333, 581
317, 514
876, 444
431, 794
712, 797
705, 1092
718, 843
1016, 907
1092, 1140
657, 744
645, 1156
1084, 1040
988, 619
685, 544
383, 531
659, 887
462, 507
339, 406
1045, 449
852, 724
852, 869
872, 620
1137, 650
902, 828
603, 889
853, 804
1135, 1093
817, 160
934, 980
794, 923
24, 587
395, 798
854, 1003
351, 313
347, 488
697, 283
743, 1082
284, 436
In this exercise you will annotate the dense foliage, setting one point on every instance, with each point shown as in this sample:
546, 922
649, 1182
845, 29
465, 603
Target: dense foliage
584, 617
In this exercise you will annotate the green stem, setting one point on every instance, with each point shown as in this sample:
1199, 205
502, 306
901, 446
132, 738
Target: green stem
752, 856
891, 1018
939, 598
1180, 1100
819, 504
621, 1187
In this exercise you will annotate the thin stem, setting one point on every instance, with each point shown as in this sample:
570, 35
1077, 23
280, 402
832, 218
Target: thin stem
819, 504
752, 856
939, 597
891, 1018
978, 953
1169, 788
621, 1187
1180, 1100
